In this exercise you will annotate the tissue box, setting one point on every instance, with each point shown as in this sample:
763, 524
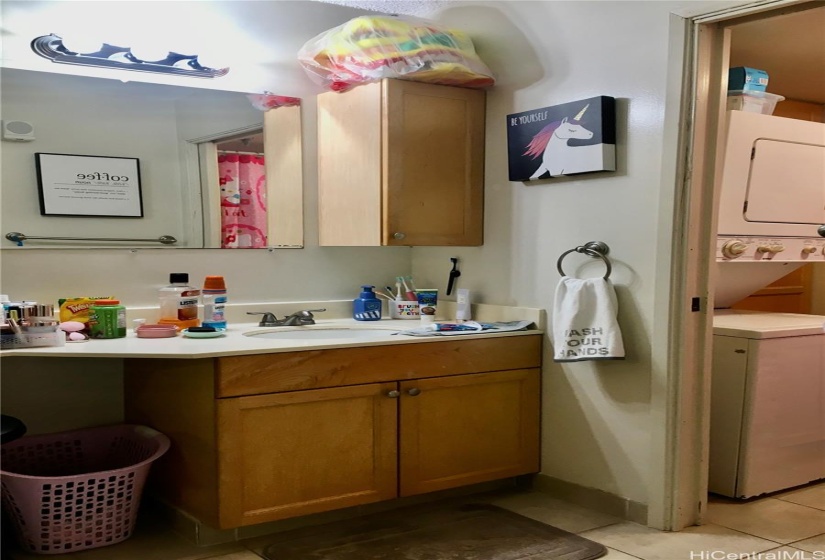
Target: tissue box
748, 79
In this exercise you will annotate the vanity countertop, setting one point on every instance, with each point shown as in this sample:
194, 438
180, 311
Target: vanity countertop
235, 343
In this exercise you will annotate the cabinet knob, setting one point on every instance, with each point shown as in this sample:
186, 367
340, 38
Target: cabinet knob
398, 235
414, 391
394, 394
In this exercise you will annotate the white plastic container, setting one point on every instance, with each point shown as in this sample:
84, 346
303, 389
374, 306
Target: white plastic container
753, 101
403, 309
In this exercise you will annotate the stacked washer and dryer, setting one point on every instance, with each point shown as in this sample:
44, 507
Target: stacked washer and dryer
768, 388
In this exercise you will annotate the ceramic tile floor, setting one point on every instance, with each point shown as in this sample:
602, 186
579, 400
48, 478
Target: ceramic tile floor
784, 526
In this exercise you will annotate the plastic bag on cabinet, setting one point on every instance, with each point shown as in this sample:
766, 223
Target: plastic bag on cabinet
370, 48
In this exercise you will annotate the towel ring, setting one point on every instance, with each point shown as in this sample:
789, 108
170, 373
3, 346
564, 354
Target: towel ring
595, 249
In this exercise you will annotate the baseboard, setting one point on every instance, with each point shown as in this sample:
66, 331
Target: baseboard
592, 498
200, 534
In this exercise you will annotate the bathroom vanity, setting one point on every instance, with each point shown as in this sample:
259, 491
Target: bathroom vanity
268, 436
280, 422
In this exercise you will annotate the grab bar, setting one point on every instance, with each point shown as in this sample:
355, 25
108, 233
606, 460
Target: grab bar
19, 238
595, 249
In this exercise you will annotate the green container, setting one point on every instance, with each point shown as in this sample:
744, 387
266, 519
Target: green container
107, 319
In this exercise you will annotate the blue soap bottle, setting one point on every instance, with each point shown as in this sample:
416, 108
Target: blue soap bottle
367, 307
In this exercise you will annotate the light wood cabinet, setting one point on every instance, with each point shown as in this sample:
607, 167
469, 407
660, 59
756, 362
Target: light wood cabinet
466, 429
288, 454
272, 436
401, 163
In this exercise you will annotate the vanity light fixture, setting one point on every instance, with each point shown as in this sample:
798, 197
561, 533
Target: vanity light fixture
110, 56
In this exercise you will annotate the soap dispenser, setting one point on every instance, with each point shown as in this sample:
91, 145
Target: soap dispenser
367, 307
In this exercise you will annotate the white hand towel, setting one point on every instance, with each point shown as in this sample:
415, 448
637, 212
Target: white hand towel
584, 321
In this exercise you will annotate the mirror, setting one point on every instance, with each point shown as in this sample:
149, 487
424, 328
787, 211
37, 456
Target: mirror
174, 132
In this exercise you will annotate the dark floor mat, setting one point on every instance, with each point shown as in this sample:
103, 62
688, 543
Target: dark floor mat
468, 532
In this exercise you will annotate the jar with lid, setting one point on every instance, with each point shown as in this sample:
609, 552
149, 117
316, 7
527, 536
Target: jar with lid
107, 319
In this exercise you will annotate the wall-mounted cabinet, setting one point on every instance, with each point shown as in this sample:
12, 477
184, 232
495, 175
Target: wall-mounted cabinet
401, 163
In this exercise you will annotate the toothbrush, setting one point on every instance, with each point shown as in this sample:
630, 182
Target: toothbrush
410, 283
392, 295
410, 294
398, 288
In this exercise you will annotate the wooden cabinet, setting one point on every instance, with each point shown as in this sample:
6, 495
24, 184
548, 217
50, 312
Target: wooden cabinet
288, 454
467, 429
271, 436
401, 163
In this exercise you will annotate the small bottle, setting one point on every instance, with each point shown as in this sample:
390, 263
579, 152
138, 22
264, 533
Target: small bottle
214, 302
367, 307
179, 302
107, 319
4, 303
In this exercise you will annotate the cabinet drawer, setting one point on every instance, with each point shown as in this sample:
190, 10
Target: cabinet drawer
294, 371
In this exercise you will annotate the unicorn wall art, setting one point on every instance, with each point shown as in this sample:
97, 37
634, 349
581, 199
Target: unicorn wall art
568, 139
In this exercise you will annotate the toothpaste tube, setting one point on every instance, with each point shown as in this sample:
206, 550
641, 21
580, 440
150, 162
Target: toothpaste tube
466, 326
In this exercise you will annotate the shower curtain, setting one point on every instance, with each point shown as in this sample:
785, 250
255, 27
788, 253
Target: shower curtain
243, 200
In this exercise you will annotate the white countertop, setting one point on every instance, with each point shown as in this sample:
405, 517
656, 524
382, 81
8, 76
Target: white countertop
235, 343
759, 324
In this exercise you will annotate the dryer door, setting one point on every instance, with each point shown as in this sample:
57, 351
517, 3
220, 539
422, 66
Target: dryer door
786, 183
773, 177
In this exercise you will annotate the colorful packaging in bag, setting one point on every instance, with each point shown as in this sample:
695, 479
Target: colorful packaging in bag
369, 48
77, 309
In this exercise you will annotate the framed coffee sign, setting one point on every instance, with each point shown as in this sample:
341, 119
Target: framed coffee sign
78, 185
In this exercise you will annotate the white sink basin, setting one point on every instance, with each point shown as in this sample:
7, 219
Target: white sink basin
321, 333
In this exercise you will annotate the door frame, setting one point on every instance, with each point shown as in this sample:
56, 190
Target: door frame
683, 318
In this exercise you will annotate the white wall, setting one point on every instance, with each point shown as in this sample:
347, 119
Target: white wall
595, 428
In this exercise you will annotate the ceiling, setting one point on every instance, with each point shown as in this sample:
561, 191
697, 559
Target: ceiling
790, 48
419, 8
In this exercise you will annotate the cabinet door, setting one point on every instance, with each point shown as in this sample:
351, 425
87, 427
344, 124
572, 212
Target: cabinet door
289, 454
433, 155
349, 167
467, 429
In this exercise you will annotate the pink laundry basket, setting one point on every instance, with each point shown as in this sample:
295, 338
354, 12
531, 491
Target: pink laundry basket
76, 490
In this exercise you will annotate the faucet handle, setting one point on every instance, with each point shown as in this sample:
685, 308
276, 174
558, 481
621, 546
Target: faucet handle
306, 316
268, 319
311, 311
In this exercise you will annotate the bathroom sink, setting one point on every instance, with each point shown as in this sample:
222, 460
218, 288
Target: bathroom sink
321, 333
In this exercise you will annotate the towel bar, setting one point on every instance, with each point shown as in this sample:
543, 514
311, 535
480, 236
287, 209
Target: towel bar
595, 249
19, 238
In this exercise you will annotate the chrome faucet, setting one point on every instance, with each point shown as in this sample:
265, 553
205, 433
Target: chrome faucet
304, 317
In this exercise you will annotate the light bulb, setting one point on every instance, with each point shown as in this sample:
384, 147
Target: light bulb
149, 53
82, 44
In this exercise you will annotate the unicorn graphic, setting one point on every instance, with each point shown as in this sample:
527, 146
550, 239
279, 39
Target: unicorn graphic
558, 158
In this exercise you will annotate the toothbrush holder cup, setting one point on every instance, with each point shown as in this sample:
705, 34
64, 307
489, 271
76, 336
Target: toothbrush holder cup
403, 309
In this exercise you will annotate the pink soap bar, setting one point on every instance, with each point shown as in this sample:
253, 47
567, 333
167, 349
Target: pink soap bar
156, 331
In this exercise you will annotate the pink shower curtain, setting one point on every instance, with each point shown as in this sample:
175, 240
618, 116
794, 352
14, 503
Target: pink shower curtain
243, 200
